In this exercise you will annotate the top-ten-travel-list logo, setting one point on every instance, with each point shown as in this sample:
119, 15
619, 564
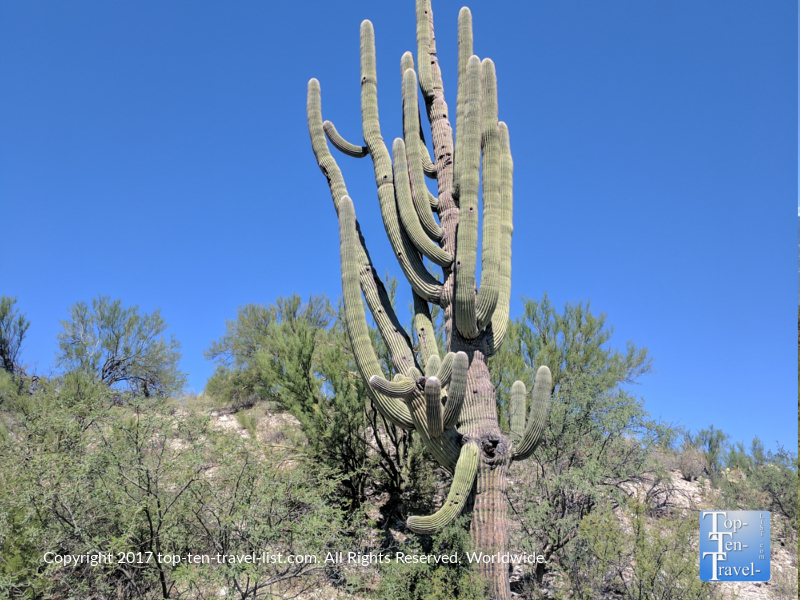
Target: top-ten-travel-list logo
734, 545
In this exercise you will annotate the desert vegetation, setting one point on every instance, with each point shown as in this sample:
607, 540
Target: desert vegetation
284, 453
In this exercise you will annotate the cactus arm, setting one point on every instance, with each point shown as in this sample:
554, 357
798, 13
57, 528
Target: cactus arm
518, 406
467, 234
341, 144
488, 293
319, 145
396, 338
424, 18
457, 390
432, 366
408, 215
426, 335
540, 406
428, 166
401, 387
463, 479
500, 316
433, 406
464, 52
445, 371
353, 258
411, 128
421, 281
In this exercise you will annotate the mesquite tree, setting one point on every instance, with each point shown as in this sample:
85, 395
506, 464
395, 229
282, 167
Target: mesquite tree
447, 398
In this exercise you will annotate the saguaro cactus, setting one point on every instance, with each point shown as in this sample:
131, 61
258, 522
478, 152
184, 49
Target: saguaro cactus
445, 395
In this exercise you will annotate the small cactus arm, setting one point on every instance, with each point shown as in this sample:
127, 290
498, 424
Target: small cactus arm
433, 407
540, 407
341, 144
463, 479
426, 335
464, 52
457, 390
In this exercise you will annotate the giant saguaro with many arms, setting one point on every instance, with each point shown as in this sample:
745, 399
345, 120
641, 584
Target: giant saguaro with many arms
446, 396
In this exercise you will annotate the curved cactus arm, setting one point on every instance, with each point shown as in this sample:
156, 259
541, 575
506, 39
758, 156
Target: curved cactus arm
463, 479
500, 316
408, 214
488, 293
428, 167
353, 260
467, 234
540, 407
445, 371
433, 405
407, 62
411, 129
432, 366
319, 144
393, 333
341, 144
444, 448
464, 52
426, 335
401, 387
457, 390
420, 279
517, 410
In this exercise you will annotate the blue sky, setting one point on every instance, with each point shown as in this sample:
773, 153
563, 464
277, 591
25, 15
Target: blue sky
158, 152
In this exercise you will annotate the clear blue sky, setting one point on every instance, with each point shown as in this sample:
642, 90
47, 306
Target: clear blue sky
158, 152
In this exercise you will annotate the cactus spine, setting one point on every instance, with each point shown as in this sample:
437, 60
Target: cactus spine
452, 407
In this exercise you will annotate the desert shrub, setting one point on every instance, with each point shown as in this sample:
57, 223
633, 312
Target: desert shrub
425, 581
81, 475
625, 554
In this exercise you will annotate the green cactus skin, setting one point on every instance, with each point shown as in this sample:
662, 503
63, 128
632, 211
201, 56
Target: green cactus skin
486, 300
433, 404
464, 52
392, 332
467, 236
406, 63
518, 406
411, 127
401, 387
424, 27
394, 410
453, 408
423, 282
432, 366
457, 390
500, 316
445, 371
341, 144
540, 407
408, 215
466, 469
426, 335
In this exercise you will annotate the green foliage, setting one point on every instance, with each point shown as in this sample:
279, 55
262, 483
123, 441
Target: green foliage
13, 327
297, 356
79, 474
122, 348
627, 555
432, 581
572, 343
598, 436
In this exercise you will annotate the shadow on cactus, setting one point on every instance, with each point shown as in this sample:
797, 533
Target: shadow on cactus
444, 394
